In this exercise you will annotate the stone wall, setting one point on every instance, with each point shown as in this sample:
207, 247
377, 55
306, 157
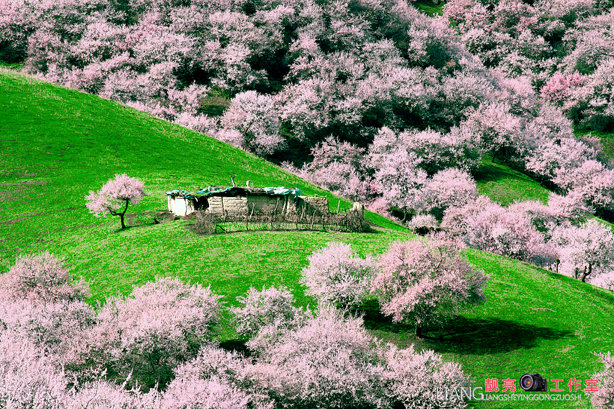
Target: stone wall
231, 206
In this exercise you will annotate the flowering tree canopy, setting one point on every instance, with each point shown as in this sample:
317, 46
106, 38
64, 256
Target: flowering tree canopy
423, 283
337, 276
115, 196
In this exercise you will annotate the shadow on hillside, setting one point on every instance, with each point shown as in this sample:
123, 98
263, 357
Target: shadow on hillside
375, 320
492, 173
488, 336
468, 335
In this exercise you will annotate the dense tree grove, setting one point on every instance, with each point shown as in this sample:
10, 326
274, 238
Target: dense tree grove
564, 47
156, 349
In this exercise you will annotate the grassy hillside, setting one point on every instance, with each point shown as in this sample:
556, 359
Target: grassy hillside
57, 144
430, 7
505, 185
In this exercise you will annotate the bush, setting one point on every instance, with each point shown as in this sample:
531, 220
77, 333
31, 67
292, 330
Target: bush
424, 284
40, 279
336, 275
159, 326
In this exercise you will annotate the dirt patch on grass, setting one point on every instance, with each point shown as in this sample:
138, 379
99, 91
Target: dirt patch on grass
19, 219
34, 182
5, 197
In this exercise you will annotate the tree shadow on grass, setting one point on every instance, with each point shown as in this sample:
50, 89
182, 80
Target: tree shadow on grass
468, 335
489, 336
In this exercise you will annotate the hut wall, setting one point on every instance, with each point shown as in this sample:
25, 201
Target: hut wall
216, 205
180, 206
235, 206
231, 206
242, 206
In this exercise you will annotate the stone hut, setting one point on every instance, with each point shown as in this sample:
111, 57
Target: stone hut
238, 201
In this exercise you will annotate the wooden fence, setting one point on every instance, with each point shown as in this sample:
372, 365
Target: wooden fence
306, 220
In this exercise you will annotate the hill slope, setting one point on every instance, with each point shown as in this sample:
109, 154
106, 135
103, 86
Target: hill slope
57, 144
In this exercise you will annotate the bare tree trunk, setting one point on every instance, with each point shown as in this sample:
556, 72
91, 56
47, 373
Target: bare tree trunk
587, 272
419, 330
123, 213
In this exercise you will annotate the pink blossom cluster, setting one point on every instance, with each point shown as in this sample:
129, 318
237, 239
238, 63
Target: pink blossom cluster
562, 46
604, 397
333, 362
40, 279
337, 276
264, 315
558, 86
424, 283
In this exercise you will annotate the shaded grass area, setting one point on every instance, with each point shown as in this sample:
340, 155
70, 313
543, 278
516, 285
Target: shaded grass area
505, 185
429, 7
57, 144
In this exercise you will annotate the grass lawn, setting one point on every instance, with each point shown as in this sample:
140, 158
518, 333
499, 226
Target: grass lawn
505, 185
57, 144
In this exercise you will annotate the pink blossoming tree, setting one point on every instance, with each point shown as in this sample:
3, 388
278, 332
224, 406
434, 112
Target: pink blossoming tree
159, 326
425, 283
115, 196
585, 251
337, 276
40, 279
604, 397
